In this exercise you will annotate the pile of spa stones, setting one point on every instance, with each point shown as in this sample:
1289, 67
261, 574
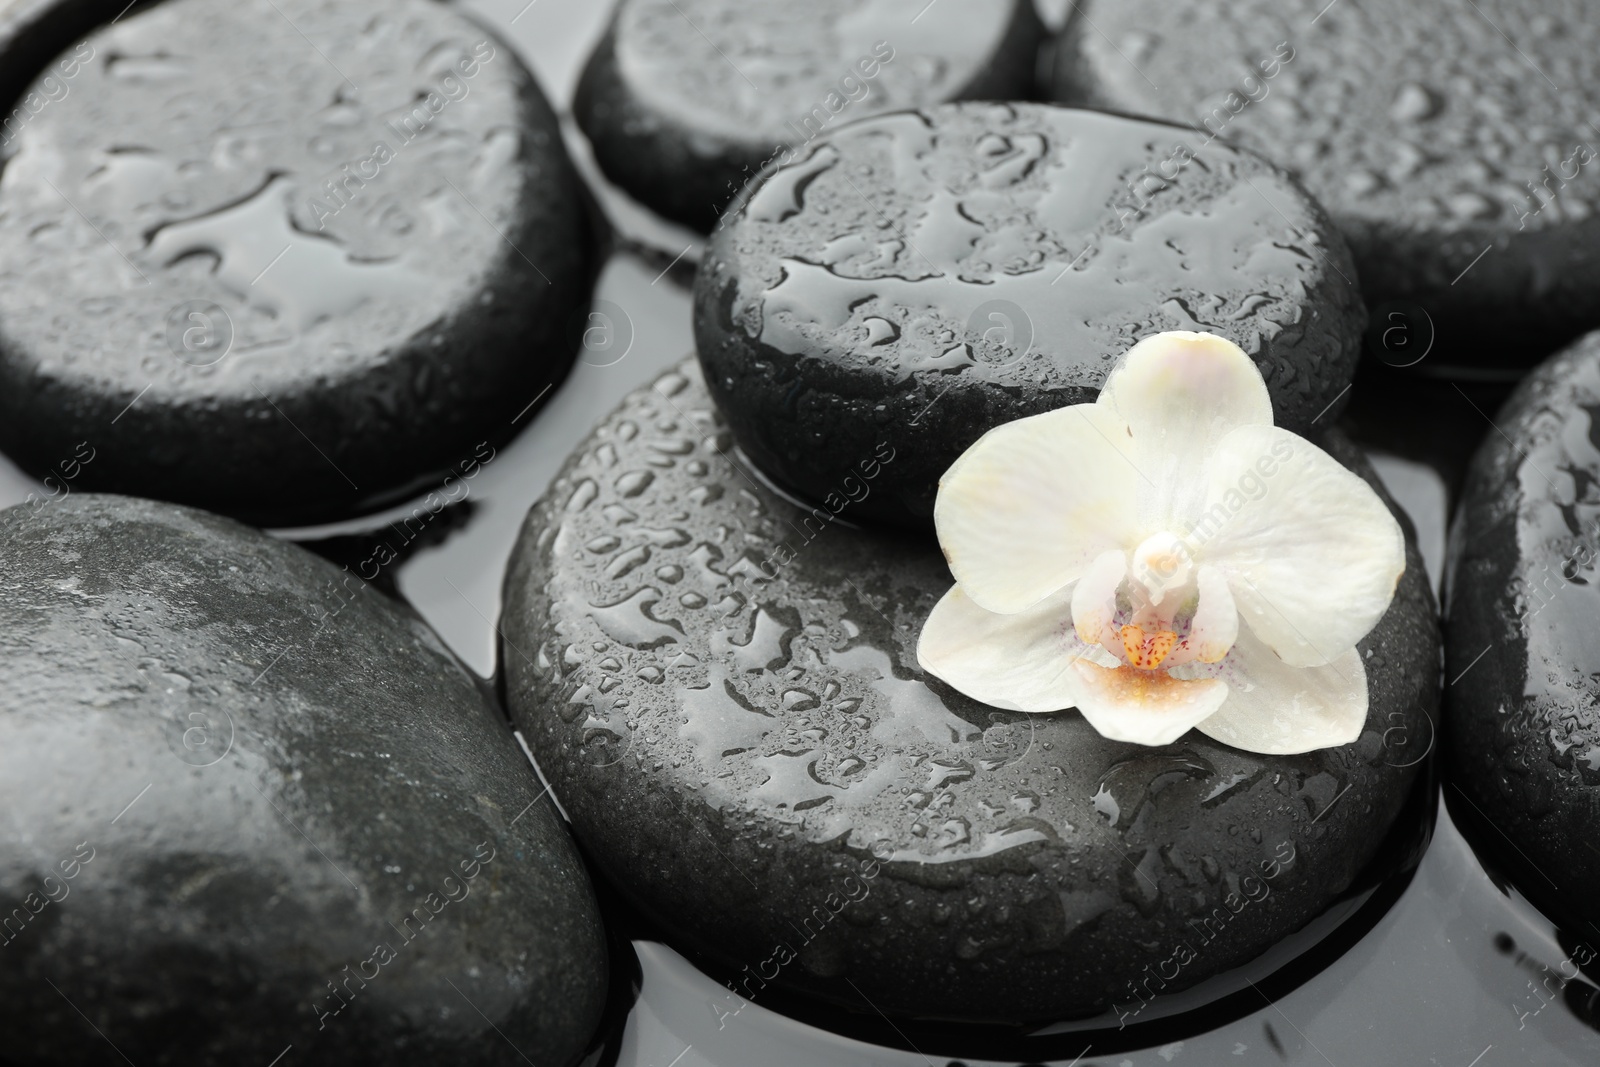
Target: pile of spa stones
283, 262
254, 806
717, 601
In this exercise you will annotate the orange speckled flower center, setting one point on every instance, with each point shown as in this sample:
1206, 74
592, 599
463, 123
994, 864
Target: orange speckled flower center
1146, 651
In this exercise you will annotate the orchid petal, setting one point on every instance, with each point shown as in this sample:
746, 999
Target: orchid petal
1180, 394
1277, 709
1215, 627
1311, 552
1094, 598
1144, 707
1020, 662
1028, 508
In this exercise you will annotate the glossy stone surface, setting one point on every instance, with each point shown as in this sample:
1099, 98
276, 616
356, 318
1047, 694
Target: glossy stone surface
251, 803
1524, 730
723, 691
1433, 133
258, 287
685, 101
921, 278
32, 33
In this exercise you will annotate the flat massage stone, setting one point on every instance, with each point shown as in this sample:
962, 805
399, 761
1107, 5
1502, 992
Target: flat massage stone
732, 715
920, 278
34, 34
251, 803
685, 101
1523, 732
283, 276
1454, 145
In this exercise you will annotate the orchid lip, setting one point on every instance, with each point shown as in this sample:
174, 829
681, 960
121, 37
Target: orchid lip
1148, 634
1146, 651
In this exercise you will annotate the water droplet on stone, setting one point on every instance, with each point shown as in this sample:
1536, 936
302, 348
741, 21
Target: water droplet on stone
1413, 103
634, 482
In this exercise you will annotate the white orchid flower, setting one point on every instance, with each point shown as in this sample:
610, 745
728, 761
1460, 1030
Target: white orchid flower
1105, 554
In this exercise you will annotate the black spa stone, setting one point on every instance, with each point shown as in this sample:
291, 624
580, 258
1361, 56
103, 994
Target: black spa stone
250, 804
728, 704
920, 278
1434, 133
684, 101
1524, 645
280, 258
32, 33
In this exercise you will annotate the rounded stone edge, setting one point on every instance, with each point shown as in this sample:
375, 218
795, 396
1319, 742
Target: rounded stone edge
1490, 640
586, 1000
1433, 264
714, 840
33, 32
663, 170
772, 435
500, 358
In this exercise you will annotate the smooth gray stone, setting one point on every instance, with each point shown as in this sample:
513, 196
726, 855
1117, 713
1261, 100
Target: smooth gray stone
243, 797
685, 101
723, 690
923, 277
261, 288
1524, 729
1453, 144
32, 34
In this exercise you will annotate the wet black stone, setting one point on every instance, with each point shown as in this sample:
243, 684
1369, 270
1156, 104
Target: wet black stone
685, 101
32, 33
921, 279
229, 773
165, 165
725, 697
1431, 132
1523, 648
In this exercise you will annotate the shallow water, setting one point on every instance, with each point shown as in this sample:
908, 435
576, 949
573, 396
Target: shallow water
1426, 984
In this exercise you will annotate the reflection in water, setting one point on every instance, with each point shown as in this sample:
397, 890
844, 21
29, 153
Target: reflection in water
1548, 984
1434, 979
1432, 944
1430, 983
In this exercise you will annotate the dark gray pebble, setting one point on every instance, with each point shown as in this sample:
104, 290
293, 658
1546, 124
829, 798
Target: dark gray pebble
282, 259
252, 804
726, 698
1453, 144
685, 101
923, 277
1524, 650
